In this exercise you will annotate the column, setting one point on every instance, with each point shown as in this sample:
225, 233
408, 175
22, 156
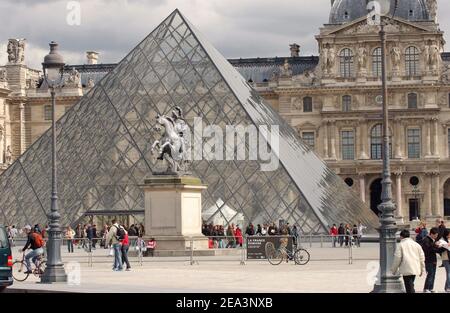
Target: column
435, 138
333, 140
362, 139
362, 187
325, 140
428, 138
398, 138
398, 195
428, 195
22, 128
437, 196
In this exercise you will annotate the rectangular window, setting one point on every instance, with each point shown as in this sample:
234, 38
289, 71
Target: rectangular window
48, 112
414, 143
348, 145
309, 139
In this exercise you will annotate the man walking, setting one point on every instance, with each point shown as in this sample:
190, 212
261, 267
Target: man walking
341, 234
409, 260
113, 238
430, 249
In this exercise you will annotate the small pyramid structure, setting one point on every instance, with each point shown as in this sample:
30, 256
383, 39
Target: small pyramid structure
104, 145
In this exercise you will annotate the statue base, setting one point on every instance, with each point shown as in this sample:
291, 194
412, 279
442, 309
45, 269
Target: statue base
173, 211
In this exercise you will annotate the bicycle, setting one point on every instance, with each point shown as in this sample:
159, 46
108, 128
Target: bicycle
19, 268
276, 256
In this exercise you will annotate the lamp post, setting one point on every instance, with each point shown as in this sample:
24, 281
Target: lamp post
388, 282
53, 71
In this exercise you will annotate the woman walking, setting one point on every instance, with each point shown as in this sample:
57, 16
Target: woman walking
69, 235
125, 247
444, 243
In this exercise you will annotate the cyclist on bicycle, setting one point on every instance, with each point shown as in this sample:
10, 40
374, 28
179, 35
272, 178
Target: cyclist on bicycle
36, 243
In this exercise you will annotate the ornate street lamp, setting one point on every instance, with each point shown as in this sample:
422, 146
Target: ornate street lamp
53, 74
388, 282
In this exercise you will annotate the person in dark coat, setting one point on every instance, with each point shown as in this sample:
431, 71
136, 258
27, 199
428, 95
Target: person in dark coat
250, 231
341, 233
258, 230
430, 249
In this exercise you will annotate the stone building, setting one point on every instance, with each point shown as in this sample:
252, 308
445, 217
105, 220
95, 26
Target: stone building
333, 100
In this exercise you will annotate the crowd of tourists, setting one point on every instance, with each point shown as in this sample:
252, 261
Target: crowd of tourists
419, 257
233, 237
346, 234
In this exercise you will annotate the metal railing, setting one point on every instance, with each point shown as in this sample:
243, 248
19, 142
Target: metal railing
193, 255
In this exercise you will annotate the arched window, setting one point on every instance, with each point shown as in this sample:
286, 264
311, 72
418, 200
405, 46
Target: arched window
346, 62
346, 103
412, 101
376, 143
376, 62
412, 61
307, 104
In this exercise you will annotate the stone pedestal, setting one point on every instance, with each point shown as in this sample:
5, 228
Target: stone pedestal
173, 211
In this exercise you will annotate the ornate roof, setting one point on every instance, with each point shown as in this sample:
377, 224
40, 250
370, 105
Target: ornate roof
344, 11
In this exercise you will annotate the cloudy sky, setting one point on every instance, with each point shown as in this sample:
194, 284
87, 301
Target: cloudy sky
238, 28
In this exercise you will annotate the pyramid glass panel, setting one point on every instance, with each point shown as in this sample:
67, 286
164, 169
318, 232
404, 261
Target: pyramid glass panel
104, 146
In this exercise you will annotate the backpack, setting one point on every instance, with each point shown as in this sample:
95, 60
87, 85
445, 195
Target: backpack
120, 234
38, 240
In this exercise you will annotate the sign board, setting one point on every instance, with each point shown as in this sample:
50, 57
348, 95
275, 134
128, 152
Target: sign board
256, 246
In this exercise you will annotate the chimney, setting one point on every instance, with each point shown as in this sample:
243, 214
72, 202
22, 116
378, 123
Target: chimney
295, 50
92, 57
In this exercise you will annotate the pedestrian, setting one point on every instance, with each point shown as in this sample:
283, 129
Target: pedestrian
272, 231
258, 230
334, 234
430, 249
69, 235
13, 234
409, 260
421, 232
355, 235
295, 235
90, 236
103, 235
348, 233
238, 236
125, 246
341, 234
442, 229
361, 229
250, 231
445, 255
95, 239
151, 246
264, 230
230, 237
113, 239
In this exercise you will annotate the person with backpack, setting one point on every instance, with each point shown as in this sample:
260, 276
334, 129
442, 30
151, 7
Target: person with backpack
36, 243
115, 235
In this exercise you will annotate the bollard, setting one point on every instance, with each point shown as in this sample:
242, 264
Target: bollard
244, 245
350, 253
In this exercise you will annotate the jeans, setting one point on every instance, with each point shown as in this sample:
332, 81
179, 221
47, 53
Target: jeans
117, 256
125, 255
431, 274
447, 270
341, 240
409, 283
33, 255
333, 240
70, 245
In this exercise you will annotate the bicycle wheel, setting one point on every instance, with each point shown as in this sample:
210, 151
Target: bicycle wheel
38, 272
301, 257
274, 256
18, 270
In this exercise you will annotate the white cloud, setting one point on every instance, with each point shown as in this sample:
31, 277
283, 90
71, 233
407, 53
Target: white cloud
238, 28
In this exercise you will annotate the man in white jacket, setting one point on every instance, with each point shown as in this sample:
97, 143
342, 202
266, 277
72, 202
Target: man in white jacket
409, 260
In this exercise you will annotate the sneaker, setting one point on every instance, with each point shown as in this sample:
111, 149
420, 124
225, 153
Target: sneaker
433, 291
128, 269
427, 291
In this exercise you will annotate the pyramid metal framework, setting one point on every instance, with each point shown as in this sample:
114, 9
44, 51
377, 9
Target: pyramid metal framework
104, 145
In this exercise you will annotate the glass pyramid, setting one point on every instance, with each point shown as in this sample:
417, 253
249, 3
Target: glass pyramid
104, 146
